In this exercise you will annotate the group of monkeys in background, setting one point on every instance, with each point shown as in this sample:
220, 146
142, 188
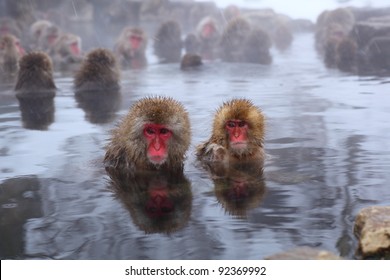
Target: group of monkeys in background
233, 38
346, 38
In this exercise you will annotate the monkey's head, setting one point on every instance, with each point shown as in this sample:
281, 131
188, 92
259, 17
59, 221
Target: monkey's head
101, 57
135, 38
9, 42
36, 61
239, 126
158, 130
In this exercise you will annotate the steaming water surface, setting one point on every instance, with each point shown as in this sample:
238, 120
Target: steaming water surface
328, 156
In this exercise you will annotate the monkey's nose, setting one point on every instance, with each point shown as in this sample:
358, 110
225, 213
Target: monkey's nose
157, 145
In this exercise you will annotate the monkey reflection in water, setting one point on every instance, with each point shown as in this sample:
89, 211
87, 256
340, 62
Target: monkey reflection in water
97, 86
37, 112
158, 202
35, 90
239, 188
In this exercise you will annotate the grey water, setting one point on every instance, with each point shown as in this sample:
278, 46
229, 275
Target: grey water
328, 156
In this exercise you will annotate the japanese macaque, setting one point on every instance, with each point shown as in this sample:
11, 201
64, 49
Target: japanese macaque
378, 53
333, 26
236, 32
347, 53
242, 43
191, 44
190, 61
38, 30
231, 12
154, 135
10, 54
22, 11
339, 50
157, 202
208, 35
35, 76
168, 42
9, 26
98, 71
256, 47
200, 10
67, 50
278, 26
130, 47
237, 135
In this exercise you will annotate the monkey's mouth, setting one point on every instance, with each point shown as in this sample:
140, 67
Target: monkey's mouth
157, 159
239, 145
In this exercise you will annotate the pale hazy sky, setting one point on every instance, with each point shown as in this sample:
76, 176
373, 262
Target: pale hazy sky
302, 8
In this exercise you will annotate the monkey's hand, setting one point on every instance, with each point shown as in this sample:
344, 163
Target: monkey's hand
216, 152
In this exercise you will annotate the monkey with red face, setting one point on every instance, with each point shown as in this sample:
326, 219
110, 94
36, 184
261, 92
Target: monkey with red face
66, 51
10, 53
158, 202
154, 135
238, 134
130, 48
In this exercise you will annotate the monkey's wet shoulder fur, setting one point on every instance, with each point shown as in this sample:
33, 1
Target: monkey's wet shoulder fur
98, 71
35, 76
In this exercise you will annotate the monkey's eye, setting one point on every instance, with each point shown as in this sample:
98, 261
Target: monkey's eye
231, 124
164, 131
150, 131
241, 124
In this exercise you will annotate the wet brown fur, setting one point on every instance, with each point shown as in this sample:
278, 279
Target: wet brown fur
98, 71
256, 48
236, 32
242, 43
9, 57
168, 43
43, 42
217, 147
61, 51
190, 61
35, 74
127, 148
